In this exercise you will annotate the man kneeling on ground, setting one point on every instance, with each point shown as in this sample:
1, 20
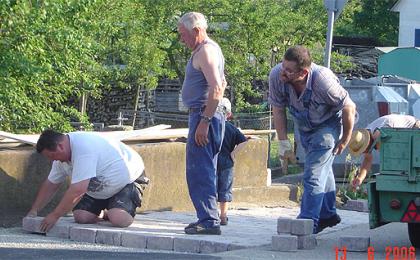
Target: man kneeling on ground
105, 175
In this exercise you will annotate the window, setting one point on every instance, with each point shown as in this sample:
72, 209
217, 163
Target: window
417, 38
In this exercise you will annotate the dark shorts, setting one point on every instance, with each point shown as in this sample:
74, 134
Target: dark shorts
128, 199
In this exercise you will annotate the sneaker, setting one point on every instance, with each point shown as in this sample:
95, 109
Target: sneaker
329, 222
224, 221
201, 230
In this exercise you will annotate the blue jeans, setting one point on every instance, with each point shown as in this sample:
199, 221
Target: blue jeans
224, 185
201, 165
318, 200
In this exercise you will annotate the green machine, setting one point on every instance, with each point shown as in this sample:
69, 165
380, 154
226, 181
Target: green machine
394, 196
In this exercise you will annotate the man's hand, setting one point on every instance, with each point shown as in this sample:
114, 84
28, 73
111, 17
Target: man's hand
32, 213
355, 184
339, 148
201, 133
286, 154
48, 222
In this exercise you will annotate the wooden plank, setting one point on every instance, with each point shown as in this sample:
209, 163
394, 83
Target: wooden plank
27, 139
119, 135
123, 135
183, 132
158, 132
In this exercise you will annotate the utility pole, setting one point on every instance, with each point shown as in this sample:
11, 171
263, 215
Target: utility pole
334, 9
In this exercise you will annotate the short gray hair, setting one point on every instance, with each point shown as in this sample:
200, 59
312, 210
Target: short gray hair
193, 20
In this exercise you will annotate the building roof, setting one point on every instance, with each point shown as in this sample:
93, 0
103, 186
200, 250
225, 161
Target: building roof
396, 6
386, 94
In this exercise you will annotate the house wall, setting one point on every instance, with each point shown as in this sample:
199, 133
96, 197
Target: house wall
409, 21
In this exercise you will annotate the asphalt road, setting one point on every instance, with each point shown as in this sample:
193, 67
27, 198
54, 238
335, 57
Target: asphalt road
29, 253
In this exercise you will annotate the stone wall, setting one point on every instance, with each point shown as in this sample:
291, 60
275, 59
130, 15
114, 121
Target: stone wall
22, 171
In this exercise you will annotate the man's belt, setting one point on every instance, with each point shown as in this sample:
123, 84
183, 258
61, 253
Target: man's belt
196, 109
201, 109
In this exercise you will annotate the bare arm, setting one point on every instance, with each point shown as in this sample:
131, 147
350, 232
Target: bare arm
237, 149
364, 170
45, 194
348, 123
206, 61
280, 122
67, 203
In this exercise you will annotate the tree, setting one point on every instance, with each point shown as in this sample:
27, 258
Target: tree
371, 18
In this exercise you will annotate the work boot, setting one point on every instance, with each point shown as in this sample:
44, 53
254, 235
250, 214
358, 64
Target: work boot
199, 229
329, 222
191, 225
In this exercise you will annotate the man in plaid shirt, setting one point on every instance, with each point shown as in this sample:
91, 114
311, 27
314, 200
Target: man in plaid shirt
324, 114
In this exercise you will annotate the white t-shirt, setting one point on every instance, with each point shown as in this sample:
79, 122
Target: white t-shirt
109, 164
392, 121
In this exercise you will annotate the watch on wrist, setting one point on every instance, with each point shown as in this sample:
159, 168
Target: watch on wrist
206, 119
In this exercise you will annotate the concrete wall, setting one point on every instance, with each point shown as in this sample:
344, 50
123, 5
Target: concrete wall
23, 170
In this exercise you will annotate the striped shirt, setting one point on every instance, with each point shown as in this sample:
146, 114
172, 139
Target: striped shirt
328, 96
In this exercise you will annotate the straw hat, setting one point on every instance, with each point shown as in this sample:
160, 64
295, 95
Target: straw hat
359, 141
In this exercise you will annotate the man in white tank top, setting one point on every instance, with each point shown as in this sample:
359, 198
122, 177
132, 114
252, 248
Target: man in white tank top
202, 90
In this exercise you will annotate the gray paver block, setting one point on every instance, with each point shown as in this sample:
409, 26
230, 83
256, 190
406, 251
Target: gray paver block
31, 224
357, 205
284, 225
212, 247
355, 243
186, 245
302, 227
160, 242
307, 242
133, 239
82, 234
108, 237
284, 243
232, 247
60, 230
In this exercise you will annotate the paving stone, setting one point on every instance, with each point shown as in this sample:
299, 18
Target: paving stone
232, 247
186, 245
160, 242
108, 237
212, 247
284, 243
307, 242
357, 205
83, 234
133, 239
60, 230
284, 225
302, 227
355, 243
32, 224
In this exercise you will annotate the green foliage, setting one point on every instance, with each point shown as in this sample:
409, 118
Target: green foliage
345, 190
54, 50
371, 18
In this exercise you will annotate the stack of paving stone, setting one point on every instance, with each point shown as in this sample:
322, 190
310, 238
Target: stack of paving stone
293, 234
